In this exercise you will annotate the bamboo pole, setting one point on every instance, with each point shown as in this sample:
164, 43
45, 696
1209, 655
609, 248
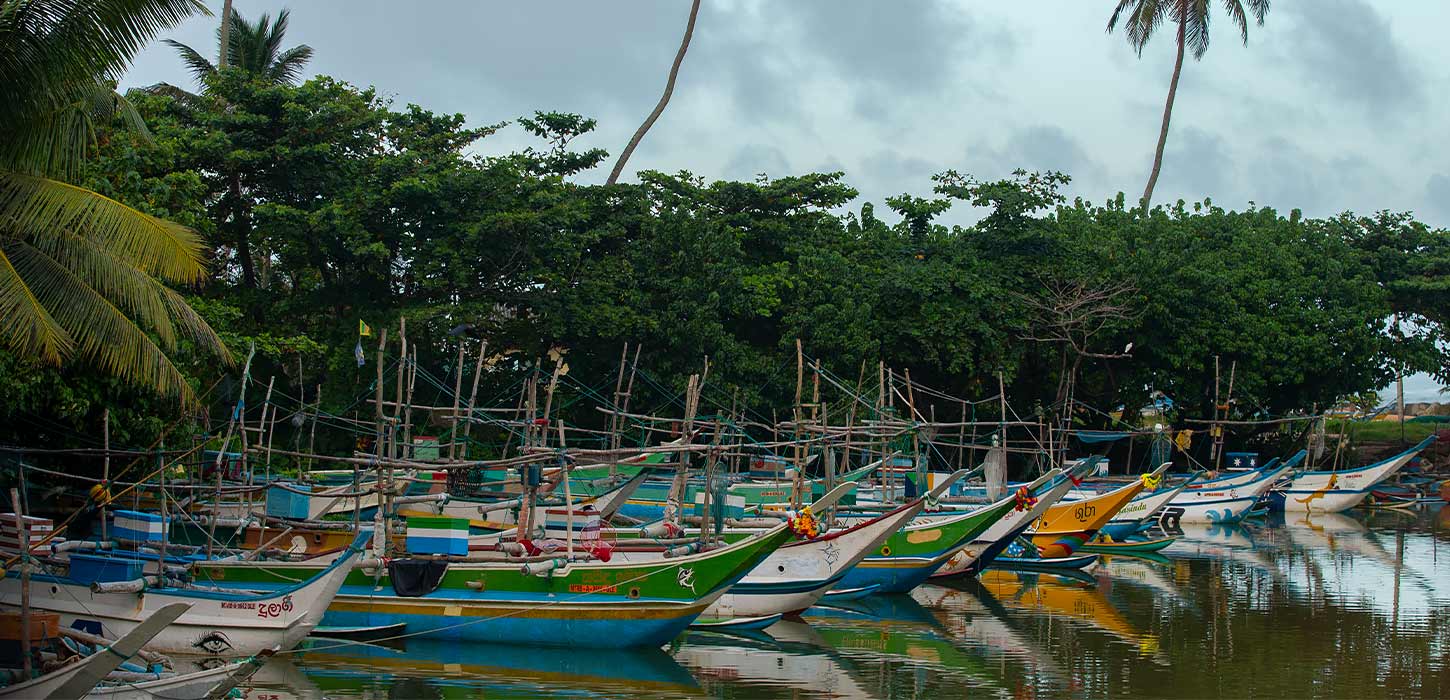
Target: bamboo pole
106, 474
457, 396
402, 369
269, 424
312, 434
222, 452
24, 581
472, 395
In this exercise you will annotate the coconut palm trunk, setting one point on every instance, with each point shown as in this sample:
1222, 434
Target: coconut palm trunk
1167, 115
221, 59
664, 99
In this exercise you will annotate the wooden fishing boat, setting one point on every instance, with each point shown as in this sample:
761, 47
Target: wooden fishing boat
1239, 478
1336, 491
980, 552
219, 623
1133, 518
553, 602
798, 574
1105, 547
911, 555
1224, 504
1072, 563
494, 516
751, 623
1067, 526
78, 679
648, 503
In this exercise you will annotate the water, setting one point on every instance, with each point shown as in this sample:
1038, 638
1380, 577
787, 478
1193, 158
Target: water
1354, 606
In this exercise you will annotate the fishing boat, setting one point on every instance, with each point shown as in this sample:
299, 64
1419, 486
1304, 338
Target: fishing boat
1139, 513
78, 679
1224, 504
1128, 546
649, 501
911, 555
795, 576
219, 623
1067, 526
982, 549
546, 601
1336, 491
1239, 478
1029, 563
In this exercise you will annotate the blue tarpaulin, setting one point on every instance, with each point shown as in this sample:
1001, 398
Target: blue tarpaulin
1095, 436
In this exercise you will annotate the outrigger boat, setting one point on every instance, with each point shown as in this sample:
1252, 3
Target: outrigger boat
1067, 526
978, 553
911, 555
219, 622
1222, 504
1336, 491
549, 601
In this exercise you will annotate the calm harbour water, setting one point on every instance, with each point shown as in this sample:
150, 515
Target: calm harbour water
1352, 606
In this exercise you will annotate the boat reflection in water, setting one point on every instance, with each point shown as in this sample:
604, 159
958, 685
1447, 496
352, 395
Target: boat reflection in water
789, 656
1076, 597
428, 668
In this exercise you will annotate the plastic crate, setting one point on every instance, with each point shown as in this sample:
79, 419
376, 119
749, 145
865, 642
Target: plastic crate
89, 568
436, 535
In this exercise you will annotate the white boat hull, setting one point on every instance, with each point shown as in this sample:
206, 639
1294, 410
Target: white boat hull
218, 624
796, 576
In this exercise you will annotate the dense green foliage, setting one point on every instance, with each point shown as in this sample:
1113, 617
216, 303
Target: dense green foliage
324, 204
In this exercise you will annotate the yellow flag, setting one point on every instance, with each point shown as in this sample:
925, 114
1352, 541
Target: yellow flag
1184, 440
362, 328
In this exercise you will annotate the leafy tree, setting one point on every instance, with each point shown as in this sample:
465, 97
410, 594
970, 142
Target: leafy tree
82, 275
1190, 18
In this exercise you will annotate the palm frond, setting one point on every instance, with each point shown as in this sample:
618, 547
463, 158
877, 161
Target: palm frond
200, 67
51, 50
126, 287
38, 208
1195, 27
25, 325
288, 67
1235, 11
183, 97
149, 303
103, 334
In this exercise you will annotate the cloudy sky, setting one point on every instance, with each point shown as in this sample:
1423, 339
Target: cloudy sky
1334, 104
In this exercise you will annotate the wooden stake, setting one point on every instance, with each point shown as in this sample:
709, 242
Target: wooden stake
24, 581
457, 396
106, 474
473, 395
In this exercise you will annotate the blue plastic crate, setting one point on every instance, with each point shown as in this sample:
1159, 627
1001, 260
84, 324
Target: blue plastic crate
89, 568
135, 526
284, 503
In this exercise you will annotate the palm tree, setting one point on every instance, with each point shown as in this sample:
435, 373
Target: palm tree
255, 47
1191, 19
83, 276
664, 99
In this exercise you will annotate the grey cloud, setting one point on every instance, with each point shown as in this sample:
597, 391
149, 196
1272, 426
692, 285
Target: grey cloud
755, 159
1346, 47
1437, 198
1196, 164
